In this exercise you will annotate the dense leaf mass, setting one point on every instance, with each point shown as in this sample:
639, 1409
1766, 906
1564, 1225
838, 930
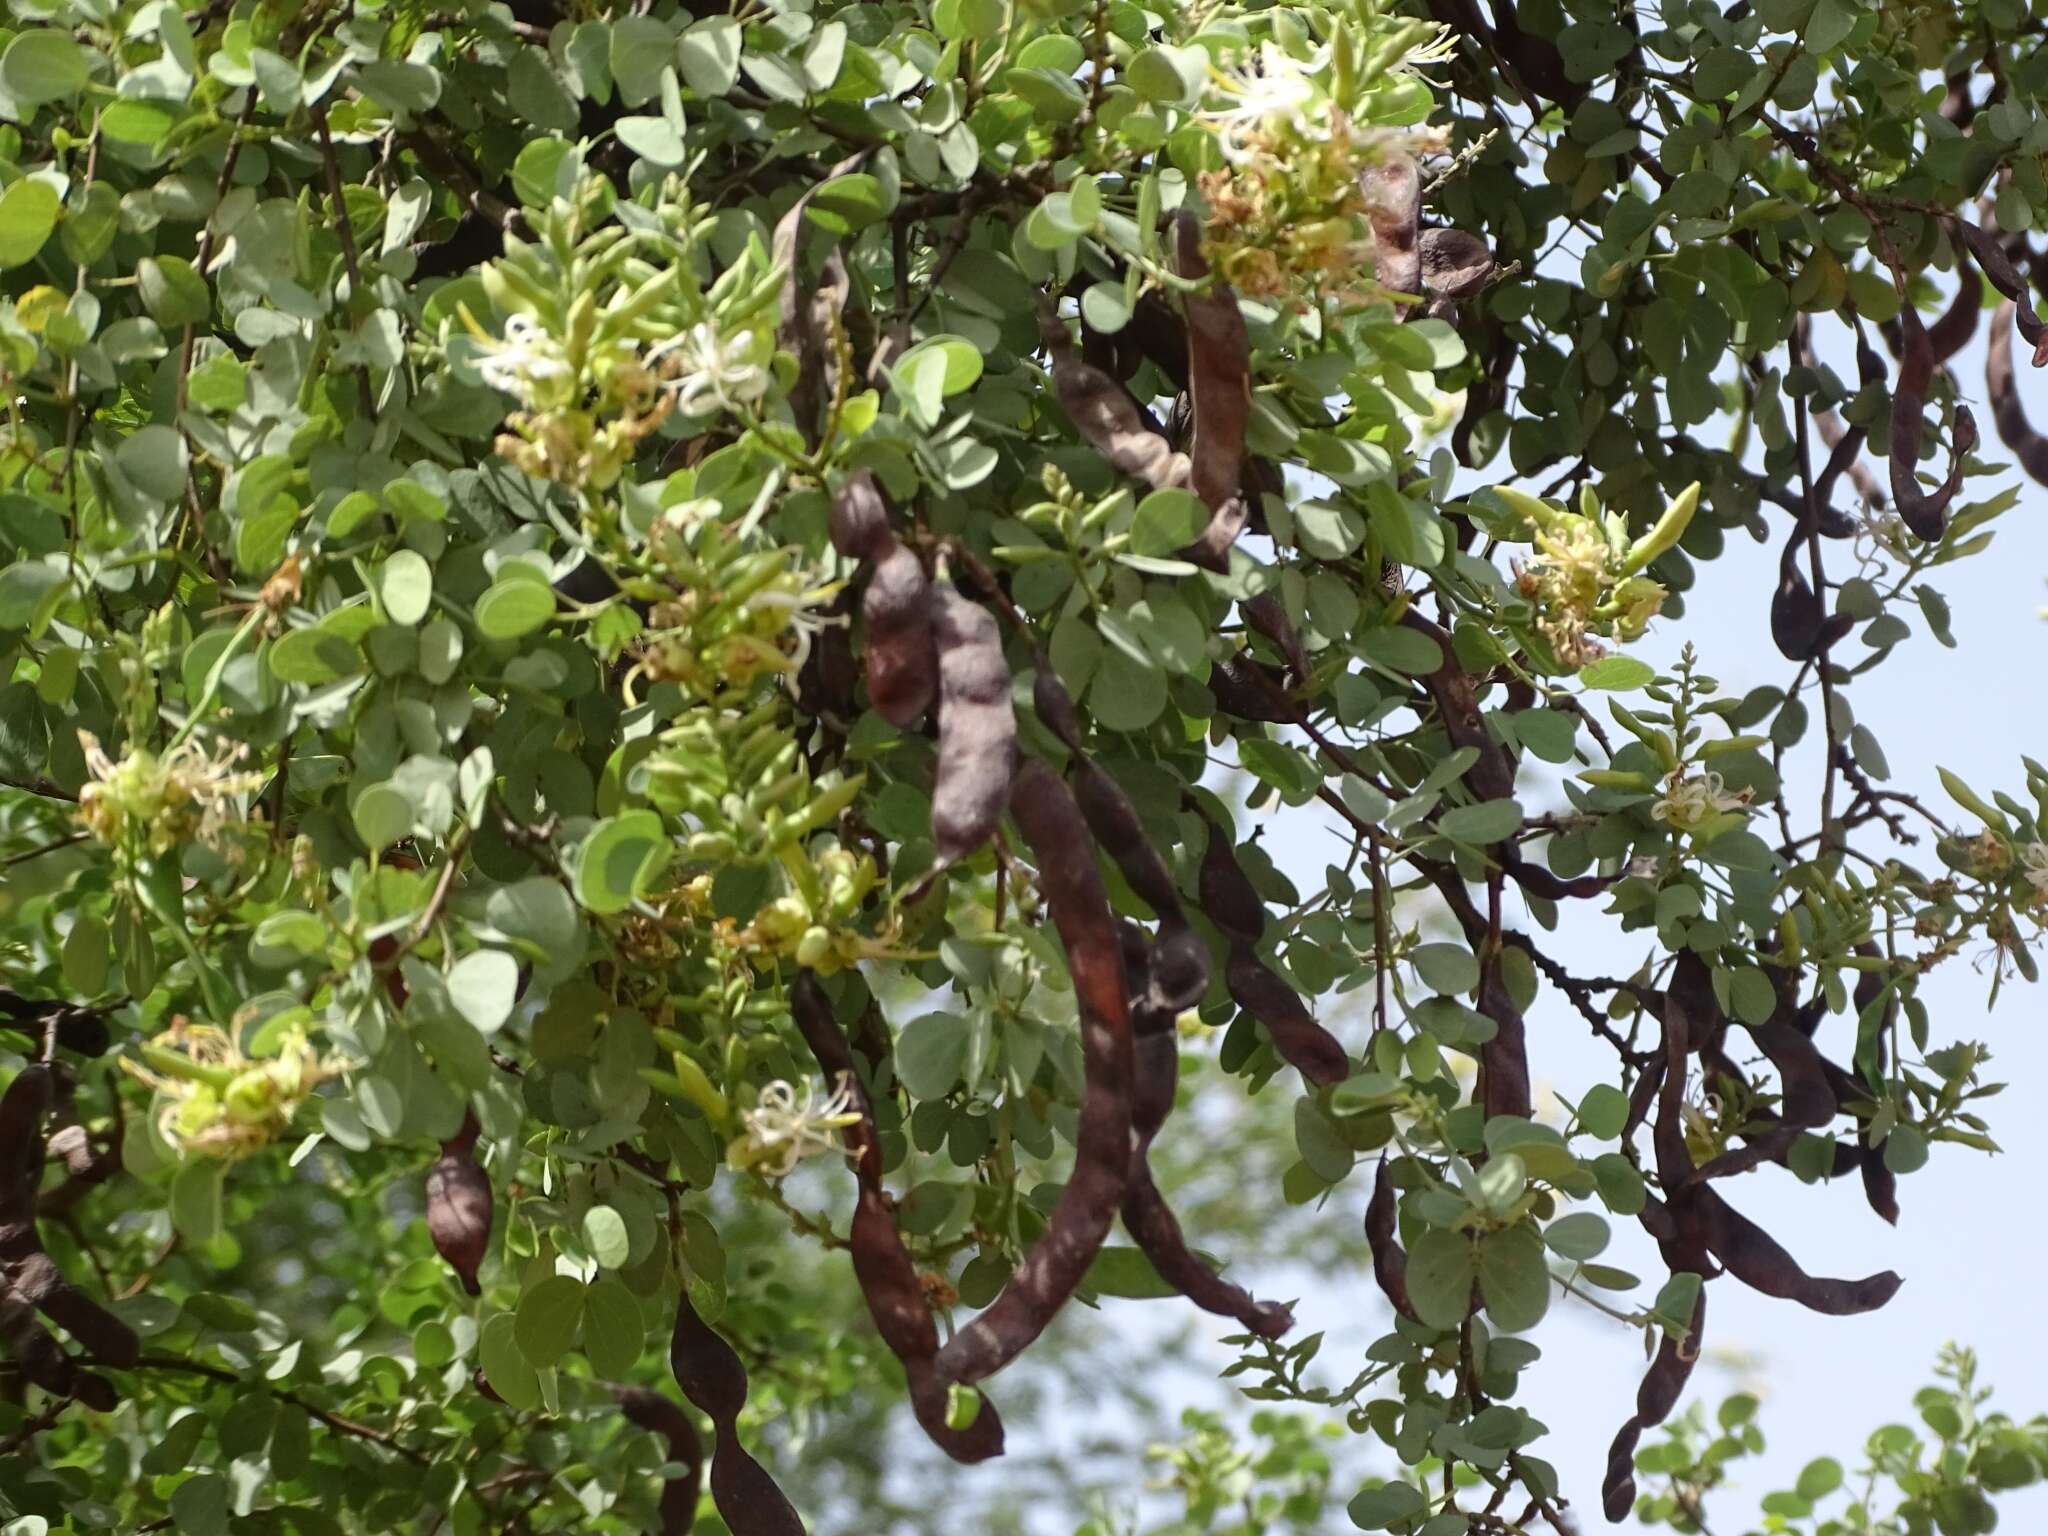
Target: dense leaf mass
649, 648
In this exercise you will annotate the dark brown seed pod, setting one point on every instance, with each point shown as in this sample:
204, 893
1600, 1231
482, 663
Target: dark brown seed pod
1880, 1184
2008, 415
30, 1281
712, 1378
1755, 1258
1302, 1043
859, 519
459, 1206
1958, 323
1655, 1398
658, 1415
1220, 384
1455, 265
1925, 513
1053, 829
1393, 196
1991, 255
896, 614
1244, 689
1105, 415
882, 1266
808, 318
977, 726
1389, 1261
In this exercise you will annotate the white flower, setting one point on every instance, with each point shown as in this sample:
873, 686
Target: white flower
2034, 865
528, 356
1276, 94
781, 1131
1689, 801
712, 369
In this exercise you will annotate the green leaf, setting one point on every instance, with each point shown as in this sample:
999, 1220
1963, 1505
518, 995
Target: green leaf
513, 607
172, 290
28, 213
382, 815
483, 986
1401, 650
614, 1328
1490, 821
548, 1319
43, 64
1440, 1272
1125, 1272
1374, 1509
621, 859
930, 1053
604, 1233
88, 955
405, 585
1603, 1112
653, 139
1514, 1277
961, 361
505, 1364
1621, 1186
1819, 1478
1617, 674
708, 54
1167, 522
1582, 1235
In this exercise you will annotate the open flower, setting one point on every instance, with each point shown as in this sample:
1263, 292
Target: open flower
2034, 865
1689, 801
783, 1129
155, 804
712, 370
1273, 99
528, 363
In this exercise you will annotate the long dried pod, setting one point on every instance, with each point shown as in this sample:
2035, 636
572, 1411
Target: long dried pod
659, 1416
882, 1266
896, 609
808, 318
1244, 689
459, 1206
1754, 1257
1926, 514
1998, 266
1053, 828
977, 726
715, 1382
1105, 415
30, 1281
1958, 323
1393, 197
2008, 415
1231, 903
1389, 1261
1880, 1184
1220, 386
1655, 1398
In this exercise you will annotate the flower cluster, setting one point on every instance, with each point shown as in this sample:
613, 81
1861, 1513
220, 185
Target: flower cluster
1689, 801
1585, 577
150, 804
782, 1129
2034, 869
1288, 214
217, 1101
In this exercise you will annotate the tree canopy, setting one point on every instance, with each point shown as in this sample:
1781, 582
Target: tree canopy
652, 656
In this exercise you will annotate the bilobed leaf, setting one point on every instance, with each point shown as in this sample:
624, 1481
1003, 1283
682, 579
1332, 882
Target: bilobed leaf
548, 1319
1514, 1277
1441, 1267
620, 861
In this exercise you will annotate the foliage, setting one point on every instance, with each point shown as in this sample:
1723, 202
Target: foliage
602, 604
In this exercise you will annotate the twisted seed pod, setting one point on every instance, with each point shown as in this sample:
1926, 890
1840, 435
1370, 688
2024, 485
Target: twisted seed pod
1053, 829
1997, 263
1220, 387
1231, 903
30, 1281
1105, 415
1164, 978
1926, 514
2008, 415
896, 608
1389, 1262
715, 1382
459, 1206
881, 1264
1655, 1398
659, 1416
1759, 1261
1393, 195
977, 727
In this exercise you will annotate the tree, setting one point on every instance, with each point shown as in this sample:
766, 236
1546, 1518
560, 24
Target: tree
604, 604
